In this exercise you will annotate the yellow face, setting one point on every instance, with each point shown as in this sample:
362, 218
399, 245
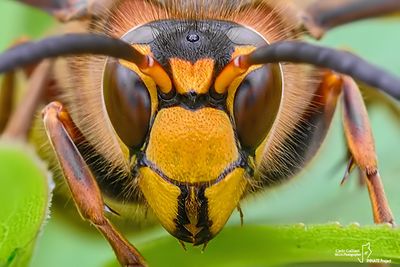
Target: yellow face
192, 155
194, 159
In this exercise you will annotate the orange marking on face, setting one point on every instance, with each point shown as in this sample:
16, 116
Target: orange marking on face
243, 50
192, 77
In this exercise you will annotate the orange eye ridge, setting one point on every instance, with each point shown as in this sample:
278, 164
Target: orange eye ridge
152, 68
238, 66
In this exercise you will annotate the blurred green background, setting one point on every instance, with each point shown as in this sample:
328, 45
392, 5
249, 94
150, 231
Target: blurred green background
313, 197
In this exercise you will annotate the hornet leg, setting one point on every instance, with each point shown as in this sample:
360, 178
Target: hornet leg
63, 135
362, 148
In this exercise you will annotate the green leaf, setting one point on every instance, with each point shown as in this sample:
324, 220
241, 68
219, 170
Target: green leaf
279, 245
24, 198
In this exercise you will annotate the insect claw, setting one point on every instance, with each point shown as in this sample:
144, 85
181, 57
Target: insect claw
183, 245
240, 214
349, 169
110, 210
204, 247
345, 178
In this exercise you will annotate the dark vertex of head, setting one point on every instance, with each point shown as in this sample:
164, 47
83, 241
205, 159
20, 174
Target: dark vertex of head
192, 41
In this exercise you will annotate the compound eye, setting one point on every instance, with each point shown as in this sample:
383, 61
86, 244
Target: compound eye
128, 103
256, 105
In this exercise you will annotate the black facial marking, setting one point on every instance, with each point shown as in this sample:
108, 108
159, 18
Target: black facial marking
192, 41
203, 223
193, 101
